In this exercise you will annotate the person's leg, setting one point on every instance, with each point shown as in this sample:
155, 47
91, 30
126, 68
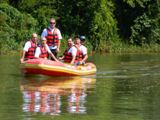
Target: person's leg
54, 52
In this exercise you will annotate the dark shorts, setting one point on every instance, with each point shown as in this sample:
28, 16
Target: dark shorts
53, 50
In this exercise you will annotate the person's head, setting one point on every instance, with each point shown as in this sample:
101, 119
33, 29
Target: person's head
77, 41
52, 22
43, 41
70, 42
82, 38
34, 37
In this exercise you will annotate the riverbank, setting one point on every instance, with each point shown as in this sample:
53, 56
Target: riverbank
115, 48
153, 48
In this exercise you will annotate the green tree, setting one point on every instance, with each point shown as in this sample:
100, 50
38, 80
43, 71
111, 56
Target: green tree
135, 22
104, 26
75, 16
41, 10
146, 29
138, 21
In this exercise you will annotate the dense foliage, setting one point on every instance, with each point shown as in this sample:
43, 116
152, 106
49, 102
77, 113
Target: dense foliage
108, 24
15, 27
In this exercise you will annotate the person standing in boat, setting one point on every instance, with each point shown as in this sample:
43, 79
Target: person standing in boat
70, 53
81, 50
53, 36
29, 48
42, 51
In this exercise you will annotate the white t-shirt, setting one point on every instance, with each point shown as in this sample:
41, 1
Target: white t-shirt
38, 51
73, 50
27, 46
45, 33
83, 49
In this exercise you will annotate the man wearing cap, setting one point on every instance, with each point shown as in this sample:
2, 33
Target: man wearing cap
43, 50
53, 36
29, 48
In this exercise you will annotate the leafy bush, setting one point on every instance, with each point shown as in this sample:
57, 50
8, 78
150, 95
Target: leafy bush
15, 27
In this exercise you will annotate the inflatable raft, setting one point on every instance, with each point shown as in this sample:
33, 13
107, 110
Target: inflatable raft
52, 68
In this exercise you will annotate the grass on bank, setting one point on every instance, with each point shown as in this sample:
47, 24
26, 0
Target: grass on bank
125, 48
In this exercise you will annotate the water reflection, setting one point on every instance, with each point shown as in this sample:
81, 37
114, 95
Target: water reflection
56, 95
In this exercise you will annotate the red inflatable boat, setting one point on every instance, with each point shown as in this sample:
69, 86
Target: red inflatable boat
52, 68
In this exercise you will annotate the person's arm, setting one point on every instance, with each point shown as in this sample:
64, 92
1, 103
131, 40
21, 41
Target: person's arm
37, 52
53, 57
84, 50
50, 53
59, 38
44, 33
23, 55
73, 50
25, 49
73, 59
84, 59
61, 58
58, 47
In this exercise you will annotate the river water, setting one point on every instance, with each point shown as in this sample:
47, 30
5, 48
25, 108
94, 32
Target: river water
126, 87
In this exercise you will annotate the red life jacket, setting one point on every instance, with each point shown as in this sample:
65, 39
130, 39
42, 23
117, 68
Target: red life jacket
31, 51
52, 38
79, 55
43, 53
67, 56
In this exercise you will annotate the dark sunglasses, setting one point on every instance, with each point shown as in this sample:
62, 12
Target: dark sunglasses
52, 23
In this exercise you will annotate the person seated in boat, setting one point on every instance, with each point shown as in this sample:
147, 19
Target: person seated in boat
29, 48
82, 55
42, 51
69, 55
